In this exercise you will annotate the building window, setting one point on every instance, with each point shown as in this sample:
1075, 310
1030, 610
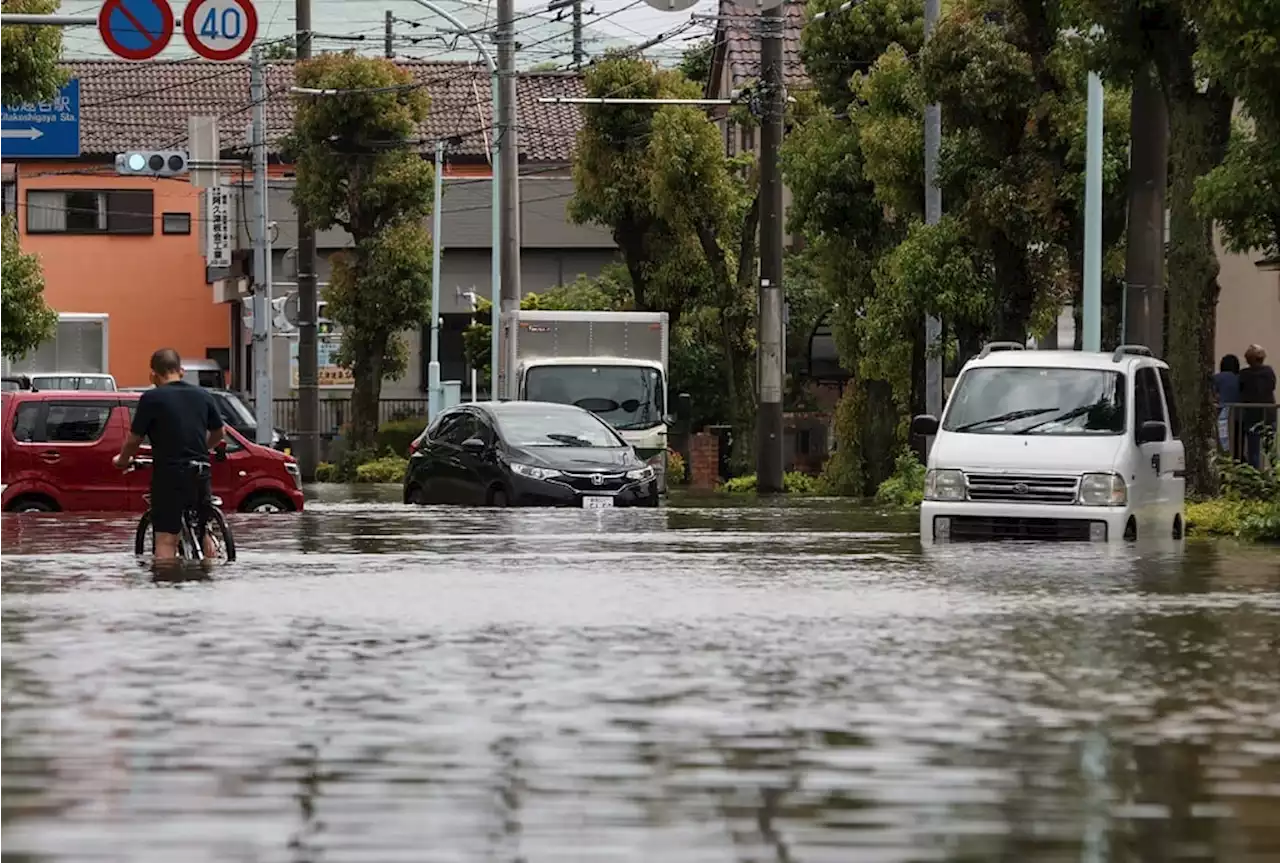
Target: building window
748, 139
90, 211
730, 138
175, 223
10, 198
79, 345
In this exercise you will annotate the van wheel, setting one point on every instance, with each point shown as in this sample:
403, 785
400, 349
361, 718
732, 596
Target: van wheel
33, 504
267, 501
1131, 530
1177, 527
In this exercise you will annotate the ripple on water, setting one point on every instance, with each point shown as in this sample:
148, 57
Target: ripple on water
377, 683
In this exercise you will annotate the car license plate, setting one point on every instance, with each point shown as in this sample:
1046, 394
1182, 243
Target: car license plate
597, 502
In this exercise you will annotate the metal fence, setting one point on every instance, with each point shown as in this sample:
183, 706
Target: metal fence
335, 413
1248, 434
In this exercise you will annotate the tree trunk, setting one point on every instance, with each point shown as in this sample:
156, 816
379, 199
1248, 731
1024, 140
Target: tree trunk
367, 392
1144, 246
1014, 290
1199, 125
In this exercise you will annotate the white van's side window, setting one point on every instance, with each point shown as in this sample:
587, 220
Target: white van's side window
1147, 406
1175, 426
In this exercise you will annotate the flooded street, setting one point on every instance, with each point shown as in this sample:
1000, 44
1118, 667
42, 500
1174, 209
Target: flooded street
693, 684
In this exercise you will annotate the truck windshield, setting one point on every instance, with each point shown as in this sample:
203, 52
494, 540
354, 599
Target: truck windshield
626, 397
1052, 401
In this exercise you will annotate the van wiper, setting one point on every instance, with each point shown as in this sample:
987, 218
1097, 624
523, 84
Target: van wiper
1061, 418
1004, 418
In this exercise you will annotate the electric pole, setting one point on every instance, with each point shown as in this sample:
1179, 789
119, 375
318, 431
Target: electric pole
262, 389
308, 389
579, 55
388, 49
770, 360
932, 215
509, 191
1144, 246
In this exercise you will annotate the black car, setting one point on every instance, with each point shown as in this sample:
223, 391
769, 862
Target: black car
526, 454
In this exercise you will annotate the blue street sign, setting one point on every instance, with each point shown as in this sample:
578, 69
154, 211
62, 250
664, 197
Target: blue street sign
43, 130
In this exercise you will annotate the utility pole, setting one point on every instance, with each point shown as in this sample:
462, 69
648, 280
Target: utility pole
388, 48
435, 392
579, 55
770, 359
1144, 246
262, 389
509, 178
933, 383
1092, 312
308, 371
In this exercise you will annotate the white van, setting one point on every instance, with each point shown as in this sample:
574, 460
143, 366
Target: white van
1055, 445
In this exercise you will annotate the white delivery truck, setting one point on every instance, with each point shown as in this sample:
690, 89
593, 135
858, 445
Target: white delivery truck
613, 364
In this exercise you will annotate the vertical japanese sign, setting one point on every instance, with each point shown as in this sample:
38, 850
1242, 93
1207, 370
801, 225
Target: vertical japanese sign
217, 226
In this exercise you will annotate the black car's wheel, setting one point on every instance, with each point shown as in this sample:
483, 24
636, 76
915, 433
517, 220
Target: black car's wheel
415, 496
498, 497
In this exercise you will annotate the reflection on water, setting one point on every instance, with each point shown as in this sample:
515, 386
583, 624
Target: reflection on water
697, 683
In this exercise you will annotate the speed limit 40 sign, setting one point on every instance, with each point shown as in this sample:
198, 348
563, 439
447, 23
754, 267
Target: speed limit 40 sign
220, 29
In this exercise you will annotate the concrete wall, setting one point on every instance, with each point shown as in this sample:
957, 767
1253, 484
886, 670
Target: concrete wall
1248, 307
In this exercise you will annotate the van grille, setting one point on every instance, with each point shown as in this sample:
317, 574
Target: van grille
979, 528
1010, 488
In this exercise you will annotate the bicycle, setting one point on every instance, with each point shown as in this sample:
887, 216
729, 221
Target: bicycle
195, 524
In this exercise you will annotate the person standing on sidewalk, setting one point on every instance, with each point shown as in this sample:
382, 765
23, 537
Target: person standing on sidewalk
1257, 387
1226, 390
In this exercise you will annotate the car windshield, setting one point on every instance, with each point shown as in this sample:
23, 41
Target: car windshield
626, 397
528, 427
1045, 401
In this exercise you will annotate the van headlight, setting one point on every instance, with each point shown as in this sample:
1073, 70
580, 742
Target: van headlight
534, 472
1103, 489
642, 473
944, 485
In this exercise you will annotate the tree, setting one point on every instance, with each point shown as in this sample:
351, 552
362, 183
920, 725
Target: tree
282, 49
359, 168
25, 319
683, 215
1167, 34
28, 73
1240, 44
695, 61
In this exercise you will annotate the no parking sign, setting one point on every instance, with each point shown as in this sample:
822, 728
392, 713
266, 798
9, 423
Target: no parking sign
220, 29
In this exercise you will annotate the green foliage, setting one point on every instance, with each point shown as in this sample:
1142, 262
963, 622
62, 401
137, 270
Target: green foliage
793, 482
25, 320
326, 472
29, 55
358, 168
387, 469
281, 49
676, 474
906, 486
695, 62
684, 216
1243, 193
396, 435
1253, 520
866, 432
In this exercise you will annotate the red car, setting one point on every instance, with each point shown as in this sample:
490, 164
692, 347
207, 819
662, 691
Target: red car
57, 450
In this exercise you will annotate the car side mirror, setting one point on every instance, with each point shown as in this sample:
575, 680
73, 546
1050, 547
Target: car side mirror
925, 425
474, 445
1152, 431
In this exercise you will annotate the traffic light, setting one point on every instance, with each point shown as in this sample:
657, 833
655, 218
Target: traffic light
152, 163
324, 326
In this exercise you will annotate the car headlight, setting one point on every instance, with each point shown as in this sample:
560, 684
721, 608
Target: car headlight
534, 472
295, 472
642, 473
1103, 489
944, 485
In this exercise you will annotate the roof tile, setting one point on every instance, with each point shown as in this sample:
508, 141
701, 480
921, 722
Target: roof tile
127, 105
740, 20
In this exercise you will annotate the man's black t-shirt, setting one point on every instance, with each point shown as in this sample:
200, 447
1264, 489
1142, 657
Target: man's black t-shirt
177, 418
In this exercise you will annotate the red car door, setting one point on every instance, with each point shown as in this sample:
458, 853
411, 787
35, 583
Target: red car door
80, 438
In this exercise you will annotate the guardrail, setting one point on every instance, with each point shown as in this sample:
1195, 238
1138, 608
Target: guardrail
1247, 433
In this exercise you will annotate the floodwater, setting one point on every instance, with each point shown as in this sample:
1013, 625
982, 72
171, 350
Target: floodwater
703, 682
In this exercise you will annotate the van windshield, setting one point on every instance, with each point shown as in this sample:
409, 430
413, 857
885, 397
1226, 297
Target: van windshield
1041, 401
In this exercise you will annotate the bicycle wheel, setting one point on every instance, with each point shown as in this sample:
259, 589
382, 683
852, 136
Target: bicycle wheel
144, 540
224, 543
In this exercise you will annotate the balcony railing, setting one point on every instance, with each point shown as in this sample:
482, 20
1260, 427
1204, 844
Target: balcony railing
1245, 438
